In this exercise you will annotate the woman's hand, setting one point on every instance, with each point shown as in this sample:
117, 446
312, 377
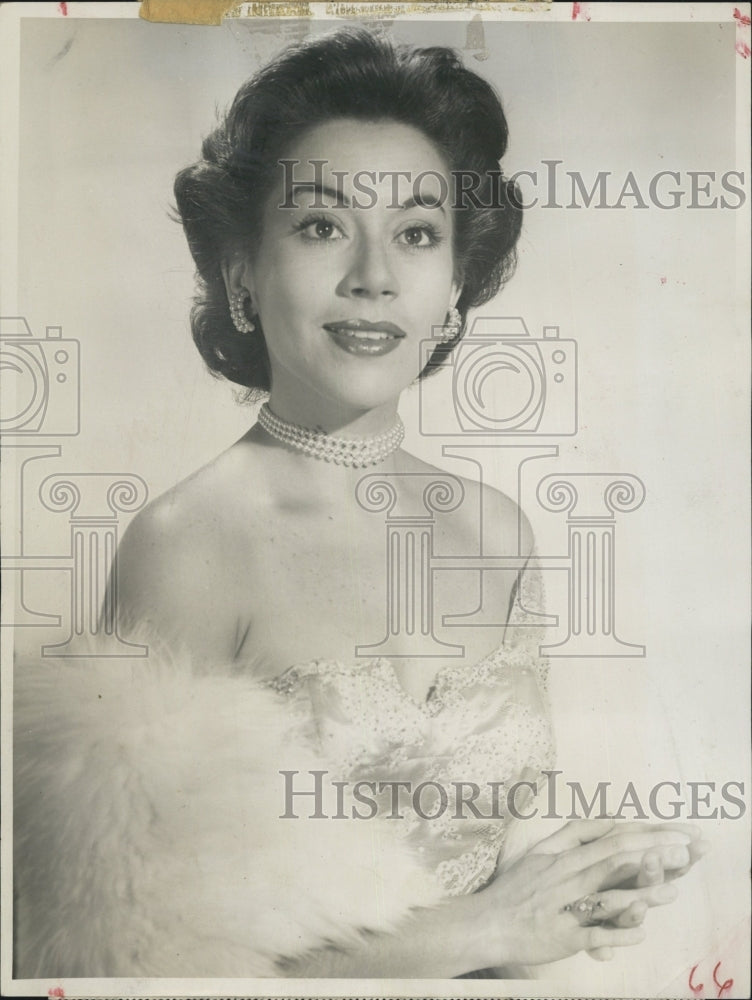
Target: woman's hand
526, 915
532, 916
652, 871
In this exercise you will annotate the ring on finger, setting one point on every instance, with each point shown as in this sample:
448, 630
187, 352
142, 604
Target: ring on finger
588, 910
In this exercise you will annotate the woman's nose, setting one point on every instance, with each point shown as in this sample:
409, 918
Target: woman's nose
371, 274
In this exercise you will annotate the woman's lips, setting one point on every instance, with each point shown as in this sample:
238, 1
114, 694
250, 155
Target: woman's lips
360, 336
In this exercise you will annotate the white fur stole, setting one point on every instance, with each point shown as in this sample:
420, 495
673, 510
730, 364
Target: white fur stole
147, 831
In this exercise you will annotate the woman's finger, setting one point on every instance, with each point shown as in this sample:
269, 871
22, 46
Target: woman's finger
698, 849
619, 907
617, 901
670, 846
651, 870
595, 938
630, 826
601, 954
584, 831
691, 829
612, 872
633, 916
575, 833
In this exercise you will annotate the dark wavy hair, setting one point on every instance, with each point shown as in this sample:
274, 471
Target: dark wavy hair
352, 73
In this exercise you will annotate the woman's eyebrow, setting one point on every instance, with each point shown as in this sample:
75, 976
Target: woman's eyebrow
423, 201
340, 200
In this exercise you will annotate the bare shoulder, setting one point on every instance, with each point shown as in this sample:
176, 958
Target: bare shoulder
169, 571
160, 538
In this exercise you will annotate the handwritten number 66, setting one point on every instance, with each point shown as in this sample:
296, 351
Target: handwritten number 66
722, 986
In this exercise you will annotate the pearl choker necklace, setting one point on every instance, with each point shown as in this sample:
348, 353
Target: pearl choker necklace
354, 452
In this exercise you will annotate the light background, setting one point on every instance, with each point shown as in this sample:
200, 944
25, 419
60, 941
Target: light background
111, 109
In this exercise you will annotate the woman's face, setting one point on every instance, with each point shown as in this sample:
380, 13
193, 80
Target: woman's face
351, 274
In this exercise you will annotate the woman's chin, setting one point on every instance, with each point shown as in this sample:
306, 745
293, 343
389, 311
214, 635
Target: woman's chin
364, 392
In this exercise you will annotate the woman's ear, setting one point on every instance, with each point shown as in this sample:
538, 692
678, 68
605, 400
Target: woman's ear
236, 273
457, 286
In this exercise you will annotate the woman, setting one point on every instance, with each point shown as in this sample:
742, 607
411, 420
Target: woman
331, 239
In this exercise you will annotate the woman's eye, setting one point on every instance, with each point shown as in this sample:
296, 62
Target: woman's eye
418, 236
320, 230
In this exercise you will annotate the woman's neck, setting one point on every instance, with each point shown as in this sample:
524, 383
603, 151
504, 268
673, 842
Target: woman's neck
298, 483
312, 480
333, 417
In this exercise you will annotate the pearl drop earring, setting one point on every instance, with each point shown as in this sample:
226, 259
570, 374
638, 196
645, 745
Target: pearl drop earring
238, 314
452, 325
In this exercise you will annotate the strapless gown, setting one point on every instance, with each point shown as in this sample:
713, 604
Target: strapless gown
482, 729
149, 830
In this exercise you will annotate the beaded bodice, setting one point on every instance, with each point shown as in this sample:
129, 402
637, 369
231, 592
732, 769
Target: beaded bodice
483, 728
